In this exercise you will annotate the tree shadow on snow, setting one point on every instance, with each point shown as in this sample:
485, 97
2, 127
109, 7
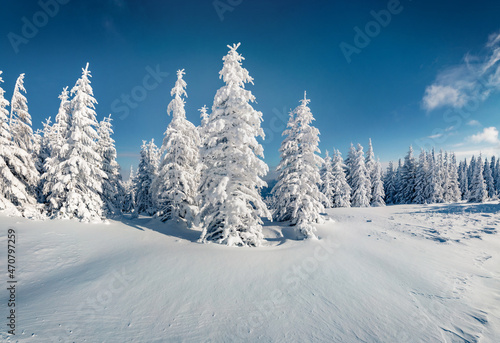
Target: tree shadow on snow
168, 228
460, 208
275, 234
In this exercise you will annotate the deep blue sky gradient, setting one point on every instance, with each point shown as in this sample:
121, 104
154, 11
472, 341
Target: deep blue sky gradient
289, 46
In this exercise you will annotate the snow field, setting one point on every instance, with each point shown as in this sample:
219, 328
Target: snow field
374, 275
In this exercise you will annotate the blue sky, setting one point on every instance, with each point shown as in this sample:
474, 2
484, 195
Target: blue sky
428, 76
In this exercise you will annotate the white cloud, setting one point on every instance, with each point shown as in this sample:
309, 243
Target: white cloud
472, 80
436, 136
437, 96
488, 135
473, 122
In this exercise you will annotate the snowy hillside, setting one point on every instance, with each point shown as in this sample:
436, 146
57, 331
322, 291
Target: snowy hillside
406, 273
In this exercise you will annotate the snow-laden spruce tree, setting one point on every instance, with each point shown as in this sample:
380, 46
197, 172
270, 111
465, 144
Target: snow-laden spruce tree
360, 180
327, 180
43, 150
371, 166
16, 179
20, 125
478, 192
409, 176
496, 176
349, 162
146, 174
341, 189
78, 177
129, 191
298, 198
12, 190
422, 188
488, 179
435, 179
178, 176
390, 184
43, 146
378, 194
470, 171
448, 195
463, 179
231, 178
57, 138
22, 135
112, 191
398, 184
60, 129
204, 121
454, 185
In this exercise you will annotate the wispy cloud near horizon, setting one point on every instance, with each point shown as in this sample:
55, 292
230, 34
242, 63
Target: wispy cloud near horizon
471, 81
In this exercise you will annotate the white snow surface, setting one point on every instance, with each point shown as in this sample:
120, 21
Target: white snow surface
405, 273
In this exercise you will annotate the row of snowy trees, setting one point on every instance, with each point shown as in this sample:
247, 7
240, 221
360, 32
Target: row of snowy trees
66, 170
436, 178
210, 176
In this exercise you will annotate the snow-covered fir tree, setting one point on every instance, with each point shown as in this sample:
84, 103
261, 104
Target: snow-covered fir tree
470, 171
341, 189
129, 193
488, 179
349, 163
360, 183
463, 180
422, 192
57, 138
453, 185
435, 179
21, 126
443, 156
78, 177
61, 127
371, 167
398, 184
178, 176
42, 153
18, 175
231, 178
390, 184
112, 189
204, 120
13, 191
147, 173
44, 148
327, 180
496, 176
478, 191
378, 194
408, 177
298, 198
22, 135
